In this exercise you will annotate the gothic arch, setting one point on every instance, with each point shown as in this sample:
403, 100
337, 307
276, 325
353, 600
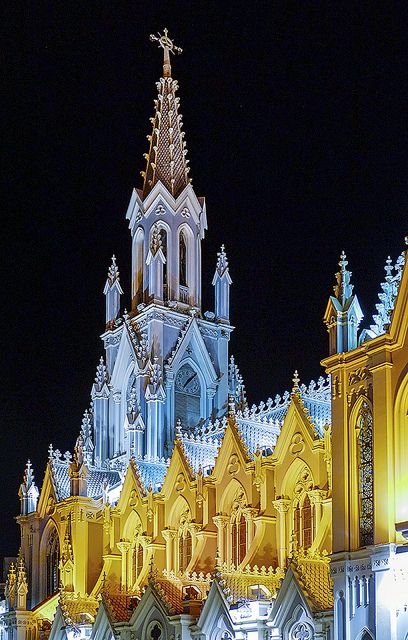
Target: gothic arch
354, 455
300, 625
181, 539
190, 267
297, 483
184, 402
291, 476
233, 488
155, 618
132, 526
365, 634
49, 558
235, 540
138, 264
179, 507
401, 449
167, 247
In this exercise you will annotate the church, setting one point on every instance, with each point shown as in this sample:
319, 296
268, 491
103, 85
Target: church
184, 512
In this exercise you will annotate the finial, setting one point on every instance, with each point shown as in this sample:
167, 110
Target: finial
295, 381
113, 271
168, 46
343, 288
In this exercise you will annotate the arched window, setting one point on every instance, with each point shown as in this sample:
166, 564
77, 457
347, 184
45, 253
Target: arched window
183, 260
296, 523
163, 238
187, 396
239, 538
52, 563
137, 561
307, 532
365, 476
185, 549
139, 265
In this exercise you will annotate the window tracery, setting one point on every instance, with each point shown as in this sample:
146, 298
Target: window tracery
304, 510
188, 396
185, 546
238, 525
163, 238
52, 563
365, 476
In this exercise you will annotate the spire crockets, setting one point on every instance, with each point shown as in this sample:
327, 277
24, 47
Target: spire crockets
166, 160
343, 312
112, 291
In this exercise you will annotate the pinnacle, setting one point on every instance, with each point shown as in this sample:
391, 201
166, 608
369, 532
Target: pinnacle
295, 380
166, 159
343, 289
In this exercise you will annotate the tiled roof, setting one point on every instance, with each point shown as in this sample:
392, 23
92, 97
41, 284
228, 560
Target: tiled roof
96, 479
171, 595
313, 572
151, 472
121, 606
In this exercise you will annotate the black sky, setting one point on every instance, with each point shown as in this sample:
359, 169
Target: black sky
296, 124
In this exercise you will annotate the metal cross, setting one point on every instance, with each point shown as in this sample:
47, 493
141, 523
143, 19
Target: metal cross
168, 46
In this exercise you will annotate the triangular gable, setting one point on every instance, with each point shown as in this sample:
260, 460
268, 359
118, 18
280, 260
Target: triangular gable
178, 463
232, 442
215, 613
160, 193
193, 336
132, 482
58, 629
296, 420
103, 628
150, 607
124, 358
48, 490
291, 603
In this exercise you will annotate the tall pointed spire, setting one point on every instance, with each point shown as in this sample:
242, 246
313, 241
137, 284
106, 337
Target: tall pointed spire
166, 160
112, 292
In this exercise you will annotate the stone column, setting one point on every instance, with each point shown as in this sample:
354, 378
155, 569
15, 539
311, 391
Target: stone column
249, 515
221, 522
282, 507
169, 535
316, 497
124, 546
117, 400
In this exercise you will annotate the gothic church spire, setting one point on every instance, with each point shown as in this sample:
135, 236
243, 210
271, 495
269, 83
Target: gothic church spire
166, 159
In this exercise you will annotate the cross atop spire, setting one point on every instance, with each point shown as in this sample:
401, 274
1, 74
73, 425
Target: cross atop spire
168, 47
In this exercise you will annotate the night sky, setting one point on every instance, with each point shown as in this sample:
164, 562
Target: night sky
296, 127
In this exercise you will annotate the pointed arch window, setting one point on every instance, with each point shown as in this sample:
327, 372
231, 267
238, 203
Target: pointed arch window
137, 561
365, 476
296, 522
307, 529
183, 259
239, 538
163, 238
139, 265
185, 550
52, 563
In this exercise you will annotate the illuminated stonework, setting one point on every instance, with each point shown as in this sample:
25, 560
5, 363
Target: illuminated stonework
184, 512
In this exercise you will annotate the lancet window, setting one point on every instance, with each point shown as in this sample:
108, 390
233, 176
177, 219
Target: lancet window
365, 476
185, 546
163, 238
238, 529
183, 260
303, 511
52, 563
137, 560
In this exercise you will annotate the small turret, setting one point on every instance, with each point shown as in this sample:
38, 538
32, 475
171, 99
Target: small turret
112, 292
155, 261
28, 491
86, 433
343, 312
222, 282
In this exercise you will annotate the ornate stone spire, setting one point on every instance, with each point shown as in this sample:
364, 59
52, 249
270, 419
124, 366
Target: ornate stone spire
343, 289
166, 159
28, 491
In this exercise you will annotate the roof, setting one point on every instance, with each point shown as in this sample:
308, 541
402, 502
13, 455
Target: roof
313, 573
246, 583
96, 479
152, 472
77, 610
171, 595
121, 606
166, 160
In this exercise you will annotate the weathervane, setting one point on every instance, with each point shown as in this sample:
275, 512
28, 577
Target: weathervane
168, 46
